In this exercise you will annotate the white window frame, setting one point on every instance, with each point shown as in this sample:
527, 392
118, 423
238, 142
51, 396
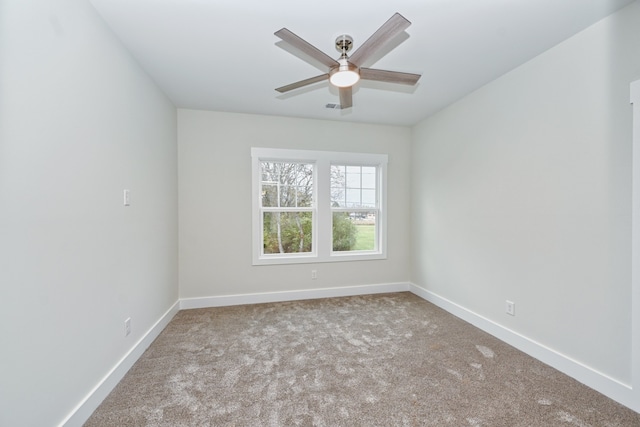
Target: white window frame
360, 209
322, 211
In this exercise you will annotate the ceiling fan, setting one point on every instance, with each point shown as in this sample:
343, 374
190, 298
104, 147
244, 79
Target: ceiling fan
346, 71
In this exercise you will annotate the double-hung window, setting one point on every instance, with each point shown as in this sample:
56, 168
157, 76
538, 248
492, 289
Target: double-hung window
354, 206
287, 206
318, 206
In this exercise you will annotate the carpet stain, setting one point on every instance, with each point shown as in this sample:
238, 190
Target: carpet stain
230, 378
372, 399
567, 417
475, 422
356, 342
272, 391
456, 374
486, 351
478, 370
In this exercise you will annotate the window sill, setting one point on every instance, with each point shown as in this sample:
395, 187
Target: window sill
313, 259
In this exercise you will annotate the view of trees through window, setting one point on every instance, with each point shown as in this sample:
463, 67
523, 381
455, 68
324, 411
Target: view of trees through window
287, 200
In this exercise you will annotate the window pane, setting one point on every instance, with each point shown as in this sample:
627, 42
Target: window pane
304, 174
368, 177
354, 231
353, 198
338, 182
287, 196
353, 180
269, 172
287, 232
269, 195
305, 199
368, 198
286, 172
337, 176
337, 198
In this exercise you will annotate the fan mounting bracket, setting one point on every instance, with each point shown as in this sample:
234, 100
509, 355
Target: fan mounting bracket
344, 43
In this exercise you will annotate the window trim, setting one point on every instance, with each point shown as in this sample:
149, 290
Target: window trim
323, 213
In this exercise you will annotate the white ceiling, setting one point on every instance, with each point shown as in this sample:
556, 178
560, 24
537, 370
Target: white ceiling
222, 55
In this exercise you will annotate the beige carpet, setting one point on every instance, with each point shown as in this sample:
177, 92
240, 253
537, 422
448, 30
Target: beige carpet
380, 360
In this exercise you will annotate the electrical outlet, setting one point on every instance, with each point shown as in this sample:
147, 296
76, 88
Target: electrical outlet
127, 327
127, 197
511, 308
314, 274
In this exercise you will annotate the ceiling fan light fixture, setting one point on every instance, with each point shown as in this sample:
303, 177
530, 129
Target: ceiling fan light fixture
345, 75
345, 72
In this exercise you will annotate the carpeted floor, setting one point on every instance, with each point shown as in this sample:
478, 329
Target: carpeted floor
378, 360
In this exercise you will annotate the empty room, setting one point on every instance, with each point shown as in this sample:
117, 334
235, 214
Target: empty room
279, 213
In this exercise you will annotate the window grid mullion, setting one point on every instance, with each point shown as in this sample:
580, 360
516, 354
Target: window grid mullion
323, 237
286, 209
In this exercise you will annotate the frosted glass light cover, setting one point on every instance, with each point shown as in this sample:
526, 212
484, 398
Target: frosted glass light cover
344, 78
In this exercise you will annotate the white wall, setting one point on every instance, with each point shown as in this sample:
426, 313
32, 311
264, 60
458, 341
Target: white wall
79, 122
215, 202
522, 191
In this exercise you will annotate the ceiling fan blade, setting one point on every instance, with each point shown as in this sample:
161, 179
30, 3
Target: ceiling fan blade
389, 76
346, 97
394, 26
302, 83
306, 47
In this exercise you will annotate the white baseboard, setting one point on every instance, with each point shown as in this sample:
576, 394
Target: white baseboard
85, 408
612, 388
600, 382
258, 298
